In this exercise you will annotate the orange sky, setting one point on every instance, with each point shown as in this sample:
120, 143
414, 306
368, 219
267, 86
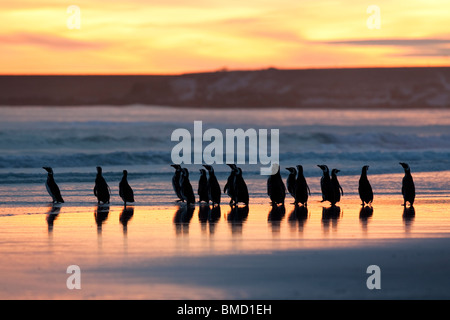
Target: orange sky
176, 36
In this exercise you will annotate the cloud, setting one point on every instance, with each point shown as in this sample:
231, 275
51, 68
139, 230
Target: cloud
49, 41
389, 42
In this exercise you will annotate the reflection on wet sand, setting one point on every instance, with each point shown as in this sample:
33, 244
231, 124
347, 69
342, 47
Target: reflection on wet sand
208, 216
365, 215
408, 216
51, 216
236, 218
298, 217
276, 214
330, 216
182, 218
101, 215
125, 216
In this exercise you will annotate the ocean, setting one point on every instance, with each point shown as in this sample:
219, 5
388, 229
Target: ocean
74, 140
159, 249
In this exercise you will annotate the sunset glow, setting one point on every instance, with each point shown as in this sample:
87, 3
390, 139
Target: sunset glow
140, 37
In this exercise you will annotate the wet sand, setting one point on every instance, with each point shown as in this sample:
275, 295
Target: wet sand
168, 252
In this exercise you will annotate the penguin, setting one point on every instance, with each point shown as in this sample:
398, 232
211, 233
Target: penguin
408, 188
364, 188
101, 188
125, 191
186, 188
228, 189
325, 184
337, 189
203, 187
301, 187
290, 181
176, 181
240, 188
214, 191
276, 188
52, 187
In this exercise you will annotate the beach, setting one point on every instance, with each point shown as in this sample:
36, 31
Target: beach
158, 249
157, 253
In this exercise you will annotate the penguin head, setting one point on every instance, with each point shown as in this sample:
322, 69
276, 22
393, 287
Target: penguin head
275, 168
335, 171
176, 166
99, 170
291, 170
231, 165
365, 168
209, 168
324, 168
202, 172
125, 173
48, 169
237, 171
300, 169
405, 166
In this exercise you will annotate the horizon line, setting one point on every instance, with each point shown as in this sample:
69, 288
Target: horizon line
224, 70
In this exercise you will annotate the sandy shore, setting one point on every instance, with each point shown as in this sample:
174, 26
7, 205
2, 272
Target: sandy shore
160, 253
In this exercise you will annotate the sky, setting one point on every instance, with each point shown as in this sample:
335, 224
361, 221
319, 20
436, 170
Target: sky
180, 36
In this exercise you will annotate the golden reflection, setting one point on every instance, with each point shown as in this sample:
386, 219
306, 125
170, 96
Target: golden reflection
408, 216
298, 217
125, 216
330, 217
208, 217
276, 214
52, 215
365, 215
236, 218
182, 218
101, 215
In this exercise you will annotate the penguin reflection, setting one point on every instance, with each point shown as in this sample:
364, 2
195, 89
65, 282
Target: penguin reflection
206, 215
365, 214
125, 216
52, 214
236, 218
330, 216
276, 214
409, 214
101, 215
182, 218
298, 215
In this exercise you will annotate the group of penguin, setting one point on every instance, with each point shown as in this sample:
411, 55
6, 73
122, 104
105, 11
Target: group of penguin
209, 189
101, 188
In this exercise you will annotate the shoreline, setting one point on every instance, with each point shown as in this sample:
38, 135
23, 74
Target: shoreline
423, 87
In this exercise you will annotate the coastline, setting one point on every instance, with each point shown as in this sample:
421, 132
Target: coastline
426, 87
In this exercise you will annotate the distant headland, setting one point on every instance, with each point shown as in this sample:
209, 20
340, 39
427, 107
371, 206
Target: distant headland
427, 87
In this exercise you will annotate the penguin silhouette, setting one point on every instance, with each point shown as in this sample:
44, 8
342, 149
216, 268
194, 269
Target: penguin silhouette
186, 188
275, 187
101, 188
203, 187
240, 188
301, 187
408, 188
290, 181
364, 187
52, 187
176, 181
337, 189
125, 191
228, 189
214, 191
325, 184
